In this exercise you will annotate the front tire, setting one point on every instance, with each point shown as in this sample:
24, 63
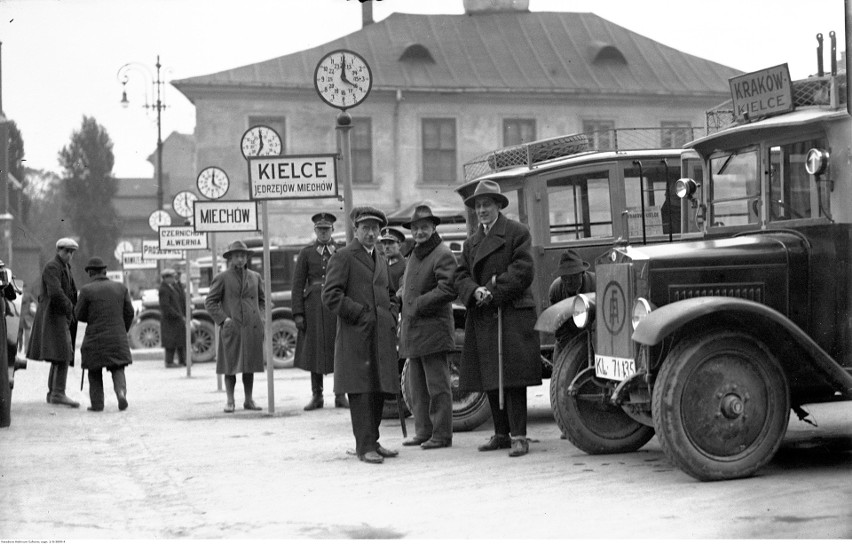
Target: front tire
721, 405
587, 418
145, 334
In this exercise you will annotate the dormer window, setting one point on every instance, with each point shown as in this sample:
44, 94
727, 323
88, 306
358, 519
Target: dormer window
608, 54
417, 52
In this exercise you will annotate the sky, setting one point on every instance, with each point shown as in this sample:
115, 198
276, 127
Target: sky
60, 58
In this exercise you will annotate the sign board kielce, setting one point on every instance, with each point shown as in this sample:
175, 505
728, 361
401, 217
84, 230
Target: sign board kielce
151, 250
225, 216
182, 238
134, 261
292, 177
762, 93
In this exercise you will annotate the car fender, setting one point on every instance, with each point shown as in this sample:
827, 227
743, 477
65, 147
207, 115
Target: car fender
555, 316
664, 321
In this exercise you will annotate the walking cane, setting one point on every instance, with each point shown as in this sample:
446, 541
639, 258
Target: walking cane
400, 408
499, 347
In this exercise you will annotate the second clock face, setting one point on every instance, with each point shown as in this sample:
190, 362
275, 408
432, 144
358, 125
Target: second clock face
159, 218
182, 203
260, 141
213, 182
343, 79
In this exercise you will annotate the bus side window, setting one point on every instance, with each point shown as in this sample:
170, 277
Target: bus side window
579, 207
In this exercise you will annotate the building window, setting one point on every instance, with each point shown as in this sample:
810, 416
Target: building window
278, 124
362, 150
675, 133
439, 150
518, 131
601, 134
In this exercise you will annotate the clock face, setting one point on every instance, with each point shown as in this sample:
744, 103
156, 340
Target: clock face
259, 141
343, 79
213, 182
159, 218
182, 203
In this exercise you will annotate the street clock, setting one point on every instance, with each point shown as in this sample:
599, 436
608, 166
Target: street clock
159, 218
213, 182
260, 141
343, 79
182, 203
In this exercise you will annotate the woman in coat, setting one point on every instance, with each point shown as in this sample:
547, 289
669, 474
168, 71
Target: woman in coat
426, 333
495, 272
236, 303
105, 305
172, 318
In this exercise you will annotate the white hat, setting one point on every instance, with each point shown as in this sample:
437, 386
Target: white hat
66, 243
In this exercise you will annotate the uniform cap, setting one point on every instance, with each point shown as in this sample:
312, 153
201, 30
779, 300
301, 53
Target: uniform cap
392, 235
364, 213
323, 219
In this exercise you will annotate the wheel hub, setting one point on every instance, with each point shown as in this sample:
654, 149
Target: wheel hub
732, 406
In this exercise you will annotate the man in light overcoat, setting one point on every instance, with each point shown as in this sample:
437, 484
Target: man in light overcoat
236, 303
499, 249
358, 291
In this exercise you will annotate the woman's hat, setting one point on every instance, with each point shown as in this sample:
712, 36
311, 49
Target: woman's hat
235, 247
365, 213
487, 188
95, 263
570, 263
422, 212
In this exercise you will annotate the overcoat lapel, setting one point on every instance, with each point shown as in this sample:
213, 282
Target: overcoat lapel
364, 257
491, 243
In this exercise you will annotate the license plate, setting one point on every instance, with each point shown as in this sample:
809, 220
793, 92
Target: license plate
614, 368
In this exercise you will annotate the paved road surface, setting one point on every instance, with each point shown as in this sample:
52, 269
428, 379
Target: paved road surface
175, 466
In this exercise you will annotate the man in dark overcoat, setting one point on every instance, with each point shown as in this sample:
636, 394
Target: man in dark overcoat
55, 327
236, 303
426, 332
391, 241
358, 291
316, 324
573, 278
106, 307
172, 318
496, 272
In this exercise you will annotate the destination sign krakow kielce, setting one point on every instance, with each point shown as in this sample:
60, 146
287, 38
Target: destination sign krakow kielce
225, 215
180, 238
762, 93
293, 176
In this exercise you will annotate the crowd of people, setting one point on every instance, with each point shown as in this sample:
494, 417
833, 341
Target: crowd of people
360, 309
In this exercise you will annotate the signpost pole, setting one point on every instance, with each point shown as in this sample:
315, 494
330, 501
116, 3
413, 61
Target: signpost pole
215, 270
267, 327
344, 125
188, 309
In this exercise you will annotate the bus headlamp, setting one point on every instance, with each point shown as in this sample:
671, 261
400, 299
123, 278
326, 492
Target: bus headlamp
584, 310
641, 309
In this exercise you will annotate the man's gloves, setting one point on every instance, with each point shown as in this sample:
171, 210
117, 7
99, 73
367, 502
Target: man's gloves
482, 296
300, 323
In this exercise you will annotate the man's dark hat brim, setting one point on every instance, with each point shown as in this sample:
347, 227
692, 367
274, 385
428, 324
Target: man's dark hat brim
422, 213
95, 263
237, 247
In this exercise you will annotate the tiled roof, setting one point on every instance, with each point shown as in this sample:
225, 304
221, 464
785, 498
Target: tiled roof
498, 52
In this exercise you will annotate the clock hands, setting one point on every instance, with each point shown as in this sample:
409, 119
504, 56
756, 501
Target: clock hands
260, 146
343, 77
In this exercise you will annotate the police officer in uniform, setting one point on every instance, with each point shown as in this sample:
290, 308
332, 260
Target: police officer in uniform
391, 241
317, 325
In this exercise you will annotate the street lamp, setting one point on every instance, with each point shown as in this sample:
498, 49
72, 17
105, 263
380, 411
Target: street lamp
157, 105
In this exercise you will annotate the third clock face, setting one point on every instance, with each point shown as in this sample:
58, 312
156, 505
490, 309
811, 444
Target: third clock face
343, 79
213, 182
182, 203
260, 141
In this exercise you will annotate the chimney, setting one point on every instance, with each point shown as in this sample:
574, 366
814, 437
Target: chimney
472, 7
367, 13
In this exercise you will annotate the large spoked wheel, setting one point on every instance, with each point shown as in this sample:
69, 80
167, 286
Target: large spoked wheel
203, 347
587, 418
145, 334
284, 333
470, 410
721, 405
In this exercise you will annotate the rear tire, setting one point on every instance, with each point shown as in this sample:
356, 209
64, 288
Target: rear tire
203, 347
145, 334
284, 334
721, 405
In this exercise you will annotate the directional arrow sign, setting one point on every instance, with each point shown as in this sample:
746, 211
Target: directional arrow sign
182, 238
225, 215
292, 177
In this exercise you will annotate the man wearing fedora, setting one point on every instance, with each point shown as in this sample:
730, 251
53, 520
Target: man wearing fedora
573, 277
316, 324
357, 290
55, 326
236, 303
493, 281
426, 332
172, 318
106, 307
391, 241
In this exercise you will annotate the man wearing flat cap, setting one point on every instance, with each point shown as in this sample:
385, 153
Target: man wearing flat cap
317, 325
391, 241
55, 326
236, 303
493, 281
357, 289
172, 318
106, 308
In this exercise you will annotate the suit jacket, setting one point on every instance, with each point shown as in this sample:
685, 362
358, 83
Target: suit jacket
55, 327
504, 252
238, 296
357, 290
105, 305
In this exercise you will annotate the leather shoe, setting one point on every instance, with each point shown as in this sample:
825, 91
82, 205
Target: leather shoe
414, 441
93, 409
371, 457
384, 452
316, 402
497, 442
229, 407
62, 398
250, 405
172, 365
520, 446
340, 401
122, 400
432, 444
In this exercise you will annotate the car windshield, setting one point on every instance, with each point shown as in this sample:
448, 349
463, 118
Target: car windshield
735, 189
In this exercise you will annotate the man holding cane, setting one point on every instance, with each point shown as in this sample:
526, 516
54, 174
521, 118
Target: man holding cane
493, 281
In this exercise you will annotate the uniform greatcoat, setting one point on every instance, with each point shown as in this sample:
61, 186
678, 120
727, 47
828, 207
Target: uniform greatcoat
504, 251
427, 296
238, 295
55, 327
357, 290
315, 346
395, 273
106, 307
172, 315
